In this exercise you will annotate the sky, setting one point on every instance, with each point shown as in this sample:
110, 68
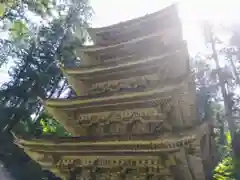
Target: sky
192, 12
112, 11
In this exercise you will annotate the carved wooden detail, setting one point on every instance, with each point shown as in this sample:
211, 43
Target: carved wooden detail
161, 162
137, 167
143, 114
151, 166
135, 127
162, 73
168, 113
134, 121
147, 81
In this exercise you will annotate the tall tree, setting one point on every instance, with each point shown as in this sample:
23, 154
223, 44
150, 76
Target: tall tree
228, 55
212, 39
36, 74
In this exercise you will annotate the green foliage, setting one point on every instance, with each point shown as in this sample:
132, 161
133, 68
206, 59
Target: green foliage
35, 74
2, 9
213, 80
18, 18
50, 126
229, 139
6, 4
224, 170
229, 166
19, 30
40, 7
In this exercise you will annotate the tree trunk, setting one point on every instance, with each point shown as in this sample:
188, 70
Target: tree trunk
228, 110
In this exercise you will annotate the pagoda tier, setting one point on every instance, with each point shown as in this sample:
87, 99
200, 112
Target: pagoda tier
139, 113
152, 44
137, 75
148, 24
164, 158
153, 34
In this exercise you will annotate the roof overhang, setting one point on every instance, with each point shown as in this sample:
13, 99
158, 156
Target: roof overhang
161, 93
164, 36
181, 53
70, 145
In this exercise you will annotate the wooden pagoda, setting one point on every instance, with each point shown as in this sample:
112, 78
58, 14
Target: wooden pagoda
135, 115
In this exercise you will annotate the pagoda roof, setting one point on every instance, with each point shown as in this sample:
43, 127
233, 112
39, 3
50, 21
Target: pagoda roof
150, 23
59, 155
70, 146
133, 22
167, 142
123, 64
85, 102
163, 35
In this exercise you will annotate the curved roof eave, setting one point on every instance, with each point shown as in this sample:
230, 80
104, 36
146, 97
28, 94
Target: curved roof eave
64, 103
45, 144
90, 71
95, 48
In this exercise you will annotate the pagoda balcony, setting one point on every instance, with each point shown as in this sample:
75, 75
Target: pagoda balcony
129, 76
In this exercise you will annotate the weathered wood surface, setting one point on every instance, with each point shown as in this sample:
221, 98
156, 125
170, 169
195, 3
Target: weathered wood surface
138, 75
